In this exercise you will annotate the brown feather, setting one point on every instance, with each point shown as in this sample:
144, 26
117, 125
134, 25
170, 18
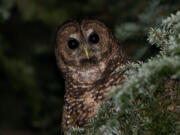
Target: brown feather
87, 82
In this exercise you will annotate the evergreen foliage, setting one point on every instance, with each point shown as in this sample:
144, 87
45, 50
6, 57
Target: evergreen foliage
148, 101
32, 90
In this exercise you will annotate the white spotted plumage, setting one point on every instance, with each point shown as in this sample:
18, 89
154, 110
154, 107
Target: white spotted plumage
87, 80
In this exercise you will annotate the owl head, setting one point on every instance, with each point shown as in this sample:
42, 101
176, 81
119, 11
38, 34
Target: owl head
84, 45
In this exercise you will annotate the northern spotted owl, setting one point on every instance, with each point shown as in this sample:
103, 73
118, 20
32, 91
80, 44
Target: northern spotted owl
89, 57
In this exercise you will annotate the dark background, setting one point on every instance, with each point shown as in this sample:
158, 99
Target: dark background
31, 86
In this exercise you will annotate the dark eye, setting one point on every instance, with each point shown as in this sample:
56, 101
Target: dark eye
94, 38
73, 44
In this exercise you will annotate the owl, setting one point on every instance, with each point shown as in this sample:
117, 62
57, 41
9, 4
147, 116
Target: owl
89, 57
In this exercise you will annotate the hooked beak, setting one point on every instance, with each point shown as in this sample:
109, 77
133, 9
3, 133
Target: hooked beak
86, 51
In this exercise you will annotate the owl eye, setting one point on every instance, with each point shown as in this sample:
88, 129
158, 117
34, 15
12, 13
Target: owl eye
73, 44
94, 38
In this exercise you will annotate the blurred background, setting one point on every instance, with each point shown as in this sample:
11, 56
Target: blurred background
31, 86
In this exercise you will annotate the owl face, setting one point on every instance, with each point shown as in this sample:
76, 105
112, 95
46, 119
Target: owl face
82, 45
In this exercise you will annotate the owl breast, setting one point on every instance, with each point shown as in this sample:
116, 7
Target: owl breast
81, 107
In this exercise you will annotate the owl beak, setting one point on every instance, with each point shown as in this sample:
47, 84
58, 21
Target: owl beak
86, 51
